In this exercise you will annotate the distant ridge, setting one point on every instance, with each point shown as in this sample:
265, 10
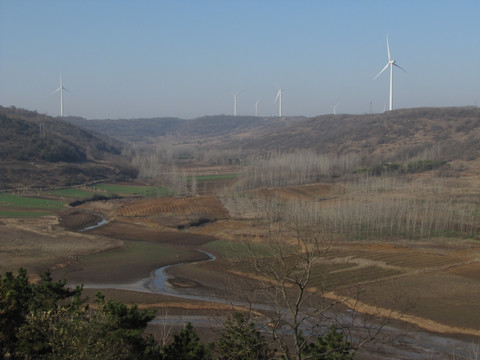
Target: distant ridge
384, 136
219, 127
388, 135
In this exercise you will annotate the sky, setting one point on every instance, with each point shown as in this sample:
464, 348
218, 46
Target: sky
187, 58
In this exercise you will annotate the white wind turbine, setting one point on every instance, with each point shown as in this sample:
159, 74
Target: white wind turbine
390, 63
256, 107
61, 88
335, 109
279, 97
235, 102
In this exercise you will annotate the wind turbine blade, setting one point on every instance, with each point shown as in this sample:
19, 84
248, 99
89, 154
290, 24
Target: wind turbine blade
66, 89
398, 66
235, 95
388, 50
53, 92
278, 94
385, 68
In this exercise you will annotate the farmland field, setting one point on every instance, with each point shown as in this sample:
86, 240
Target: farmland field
72, 193
132, 190
8, 200
22, 206
203, 205
438, 279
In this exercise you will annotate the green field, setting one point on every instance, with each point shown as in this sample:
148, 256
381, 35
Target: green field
23, 214
19, 206
239, 250
72, 193
133, 190
8, 200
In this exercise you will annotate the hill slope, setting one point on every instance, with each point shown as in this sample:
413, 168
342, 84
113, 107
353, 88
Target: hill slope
388, 136
38, 150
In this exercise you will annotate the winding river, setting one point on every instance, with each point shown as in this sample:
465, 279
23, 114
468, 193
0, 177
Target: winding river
159, 284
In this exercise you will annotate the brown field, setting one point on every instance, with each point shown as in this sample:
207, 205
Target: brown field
76, 219
207, 206
303, 192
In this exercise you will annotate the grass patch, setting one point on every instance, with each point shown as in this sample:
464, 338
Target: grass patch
23, 214
9, 200
72, 193
134, 190
238, 250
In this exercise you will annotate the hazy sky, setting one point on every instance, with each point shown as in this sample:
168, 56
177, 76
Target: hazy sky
130, 59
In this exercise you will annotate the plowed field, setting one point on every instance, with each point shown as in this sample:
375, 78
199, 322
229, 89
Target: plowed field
208, 206
306, 192
78, 219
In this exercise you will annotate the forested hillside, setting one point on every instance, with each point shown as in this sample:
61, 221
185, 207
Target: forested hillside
40, 150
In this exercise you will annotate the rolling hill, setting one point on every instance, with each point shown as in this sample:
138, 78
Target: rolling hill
38, 150
388, 136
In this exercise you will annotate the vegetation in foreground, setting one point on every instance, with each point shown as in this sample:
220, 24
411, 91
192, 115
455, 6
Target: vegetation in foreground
50, 321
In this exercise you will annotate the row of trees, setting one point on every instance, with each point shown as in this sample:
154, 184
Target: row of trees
51, 321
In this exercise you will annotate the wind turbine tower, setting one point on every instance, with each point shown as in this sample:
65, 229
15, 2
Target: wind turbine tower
335, 109
279, 97
390, 63
256, 107
61, 88
235, 102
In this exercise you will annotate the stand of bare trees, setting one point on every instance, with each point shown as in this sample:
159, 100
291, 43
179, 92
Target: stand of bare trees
303, 167
300, 308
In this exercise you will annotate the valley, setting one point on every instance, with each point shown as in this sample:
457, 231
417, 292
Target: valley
389, 238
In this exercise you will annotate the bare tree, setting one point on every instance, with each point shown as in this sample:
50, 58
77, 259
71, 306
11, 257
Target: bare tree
289, 281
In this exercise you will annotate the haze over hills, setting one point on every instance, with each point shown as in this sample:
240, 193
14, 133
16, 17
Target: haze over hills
207, 128
38, 150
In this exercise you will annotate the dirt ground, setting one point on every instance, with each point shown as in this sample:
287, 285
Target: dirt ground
38, 244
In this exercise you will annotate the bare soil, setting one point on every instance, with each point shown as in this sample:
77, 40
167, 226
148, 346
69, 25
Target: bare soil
41, 244
77, 219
